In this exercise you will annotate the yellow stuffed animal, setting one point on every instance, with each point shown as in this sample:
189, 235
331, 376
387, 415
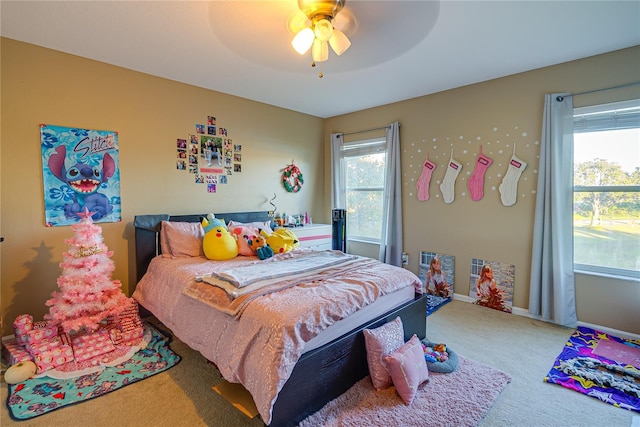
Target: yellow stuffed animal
281, 240
218, 244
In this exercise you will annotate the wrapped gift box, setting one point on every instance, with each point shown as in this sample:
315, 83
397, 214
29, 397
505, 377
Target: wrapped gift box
53, 358
92, 345
43, 345
13, 352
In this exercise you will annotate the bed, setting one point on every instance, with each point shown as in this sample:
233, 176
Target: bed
332, 349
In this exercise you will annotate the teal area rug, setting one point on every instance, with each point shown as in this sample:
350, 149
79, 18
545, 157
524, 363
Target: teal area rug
38, 396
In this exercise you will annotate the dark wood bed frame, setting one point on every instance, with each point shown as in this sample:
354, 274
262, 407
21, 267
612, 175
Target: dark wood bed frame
320, 375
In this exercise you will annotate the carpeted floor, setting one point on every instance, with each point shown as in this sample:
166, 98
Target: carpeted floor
522, 347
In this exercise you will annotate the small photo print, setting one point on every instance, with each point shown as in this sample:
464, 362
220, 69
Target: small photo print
211, 188
181, 165
211, 179
237, 167
223, 179
237, 157
199, 128
491, 284
211, 130
181, 143
211, 120
199, 179
237, 148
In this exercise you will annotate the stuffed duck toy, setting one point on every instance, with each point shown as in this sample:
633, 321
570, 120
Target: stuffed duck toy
218, 244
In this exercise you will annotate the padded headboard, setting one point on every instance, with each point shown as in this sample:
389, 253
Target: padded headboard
148, 232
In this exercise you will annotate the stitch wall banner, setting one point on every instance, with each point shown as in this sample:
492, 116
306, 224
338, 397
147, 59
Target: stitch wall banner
81, 170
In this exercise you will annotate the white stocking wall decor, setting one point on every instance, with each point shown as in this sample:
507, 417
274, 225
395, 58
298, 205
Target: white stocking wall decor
448, 186
509, 186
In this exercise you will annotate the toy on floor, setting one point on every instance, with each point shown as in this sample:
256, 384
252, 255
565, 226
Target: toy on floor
20, 372
437, 353
439, 357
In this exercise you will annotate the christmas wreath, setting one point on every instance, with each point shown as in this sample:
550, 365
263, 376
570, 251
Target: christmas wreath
292, 179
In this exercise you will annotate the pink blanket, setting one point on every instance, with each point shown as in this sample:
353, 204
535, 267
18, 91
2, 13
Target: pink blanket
260, 349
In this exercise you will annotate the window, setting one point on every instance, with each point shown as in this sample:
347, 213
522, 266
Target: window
606, 212
364, 173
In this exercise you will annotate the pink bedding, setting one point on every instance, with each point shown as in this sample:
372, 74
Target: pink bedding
260, 349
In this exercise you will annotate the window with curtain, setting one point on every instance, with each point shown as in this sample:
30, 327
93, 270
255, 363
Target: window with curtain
606, 212
363, 164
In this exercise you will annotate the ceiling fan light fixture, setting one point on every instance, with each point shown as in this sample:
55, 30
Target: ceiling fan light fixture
323, 30
321, 33
303, 40
339, 42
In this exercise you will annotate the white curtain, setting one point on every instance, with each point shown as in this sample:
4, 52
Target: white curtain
391, 241
338, 197
552, 286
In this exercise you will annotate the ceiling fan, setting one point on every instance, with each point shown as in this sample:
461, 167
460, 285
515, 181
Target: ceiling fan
320, 33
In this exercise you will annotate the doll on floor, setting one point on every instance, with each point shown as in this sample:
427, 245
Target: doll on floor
436, 280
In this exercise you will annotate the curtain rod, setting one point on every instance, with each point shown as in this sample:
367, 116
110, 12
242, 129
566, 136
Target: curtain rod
560, 98
366, 130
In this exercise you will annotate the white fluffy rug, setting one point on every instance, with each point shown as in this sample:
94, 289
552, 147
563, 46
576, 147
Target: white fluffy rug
461, 398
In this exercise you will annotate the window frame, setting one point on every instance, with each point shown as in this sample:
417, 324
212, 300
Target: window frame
357, 148
599, 118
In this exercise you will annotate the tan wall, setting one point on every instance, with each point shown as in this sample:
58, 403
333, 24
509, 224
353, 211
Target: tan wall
44, 86
496, 114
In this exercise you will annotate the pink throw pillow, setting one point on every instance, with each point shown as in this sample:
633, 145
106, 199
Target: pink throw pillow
181, 239
408, 369
379, 343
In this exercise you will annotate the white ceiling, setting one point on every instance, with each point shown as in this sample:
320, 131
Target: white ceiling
400, 49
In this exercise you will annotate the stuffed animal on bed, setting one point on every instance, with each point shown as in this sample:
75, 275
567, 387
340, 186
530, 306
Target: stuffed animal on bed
218, 244
259, 244
281, 240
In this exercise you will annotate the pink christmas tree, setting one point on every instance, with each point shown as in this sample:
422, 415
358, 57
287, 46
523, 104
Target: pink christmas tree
87, 295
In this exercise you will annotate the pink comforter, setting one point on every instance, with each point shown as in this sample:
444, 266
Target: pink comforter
260, 349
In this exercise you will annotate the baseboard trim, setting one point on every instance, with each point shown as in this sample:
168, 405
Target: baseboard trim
524, 312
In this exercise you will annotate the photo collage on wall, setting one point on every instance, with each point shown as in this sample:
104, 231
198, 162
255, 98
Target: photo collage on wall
209, 154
